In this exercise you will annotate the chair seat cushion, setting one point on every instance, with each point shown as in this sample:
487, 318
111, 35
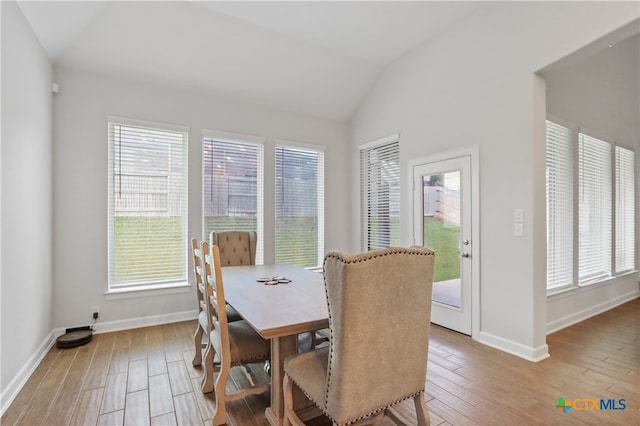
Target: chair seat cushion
245, 344
232, 314
309, 372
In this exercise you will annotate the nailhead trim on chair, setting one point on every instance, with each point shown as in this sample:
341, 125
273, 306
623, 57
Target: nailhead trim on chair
309, 397
380, 409
346, 258
348, 422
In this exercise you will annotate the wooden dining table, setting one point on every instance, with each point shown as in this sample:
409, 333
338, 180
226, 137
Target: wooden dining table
277, 312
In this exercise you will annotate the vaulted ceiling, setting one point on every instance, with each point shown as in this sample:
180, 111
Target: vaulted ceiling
314, 58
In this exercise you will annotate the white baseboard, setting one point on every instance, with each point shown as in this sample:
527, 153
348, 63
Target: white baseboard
576, 317
517, 349
9, 394
11, 391
128, 324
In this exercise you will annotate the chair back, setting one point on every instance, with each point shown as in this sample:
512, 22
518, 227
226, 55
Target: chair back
379, 316
198, 261
234, 344
216, 303
237, 248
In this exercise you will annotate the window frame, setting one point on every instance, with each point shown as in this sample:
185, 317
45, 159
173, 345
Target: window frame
365, 190
634, 204
576, 283
574, 225
146, 286
320, 202
608, 273
259, 142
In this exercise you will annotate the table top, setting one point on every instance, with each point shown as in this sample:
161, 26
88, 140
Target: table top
277, 310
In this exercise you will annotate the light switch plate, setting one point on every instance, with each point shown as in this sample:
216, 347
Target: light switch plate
518, 216
518, 229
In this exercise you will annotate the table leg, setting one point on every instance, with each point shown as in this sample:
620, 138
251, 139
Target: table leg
281, 347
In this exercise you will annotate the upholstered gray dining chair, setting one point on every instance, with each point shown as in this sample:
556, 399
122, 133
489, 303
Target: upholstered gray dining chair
379, 318
237, 248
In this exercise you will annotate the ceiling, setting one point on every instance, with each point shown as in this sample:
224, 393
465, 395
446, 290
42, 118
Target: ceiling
315, 58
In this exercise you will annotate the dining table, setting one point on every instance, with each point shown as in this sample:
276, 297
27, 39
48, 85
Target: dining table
279, 301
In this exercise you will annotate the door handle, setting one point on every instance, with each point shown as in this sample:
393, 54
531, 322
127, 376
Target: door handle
465, 254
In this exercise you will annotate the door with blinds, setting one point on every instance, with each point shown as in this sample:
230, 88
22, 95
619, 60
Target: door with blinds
442, 222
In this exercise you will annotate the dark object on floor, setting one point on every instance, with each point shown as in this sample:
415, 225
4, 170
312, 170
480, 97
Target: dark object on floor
74, 337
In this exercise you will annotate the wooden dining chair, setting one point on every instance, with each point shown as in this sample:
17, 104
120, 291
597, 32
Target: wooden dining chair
237, 248
379, 316
235, 344
199, 268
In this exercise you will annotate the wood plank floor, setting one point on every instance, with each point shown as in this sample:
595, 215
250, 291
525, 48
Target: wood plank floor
144, 377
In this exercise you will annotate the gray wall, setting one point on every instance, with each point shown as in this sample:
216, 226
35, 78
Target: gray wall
26, 155
80, 184
476, 85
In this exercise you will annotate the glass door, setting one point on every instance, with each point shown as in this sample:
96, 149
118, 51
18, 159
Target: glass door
442, 222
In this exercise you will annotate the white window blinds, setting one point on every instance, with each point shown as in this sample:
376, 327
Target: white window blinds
380, 195
559, 188
595, 208
147, 204
299, 206
625, 210
233, 187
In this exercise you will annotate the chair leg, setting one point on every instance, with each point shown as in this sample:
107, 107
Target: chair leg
422, 413
197, 340
207, 377
290, 416
220, 412
313, 340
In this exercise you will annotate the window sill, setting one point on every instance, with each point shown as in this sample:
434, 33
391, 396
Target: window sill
149, 290
565, 291
624, 274
597, 281
561, 291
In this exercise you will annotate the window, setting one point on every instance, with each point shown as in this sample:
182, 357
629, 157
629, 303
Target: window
625, 211
559, 184
147, 204
595, 216
592, 192
299, 206
380, 194
233, 185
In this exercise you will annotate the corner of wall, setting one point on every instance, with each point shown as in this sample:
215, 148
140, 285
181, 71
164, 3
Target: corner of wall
534, 354
10, 392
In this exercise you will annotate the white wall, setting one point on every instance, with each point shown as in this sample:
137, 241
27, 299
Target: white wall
26, 202
600, 94
475, 84
80, 183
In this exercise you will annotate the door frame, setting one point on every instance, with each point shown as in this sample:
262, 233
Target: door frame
474, 153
